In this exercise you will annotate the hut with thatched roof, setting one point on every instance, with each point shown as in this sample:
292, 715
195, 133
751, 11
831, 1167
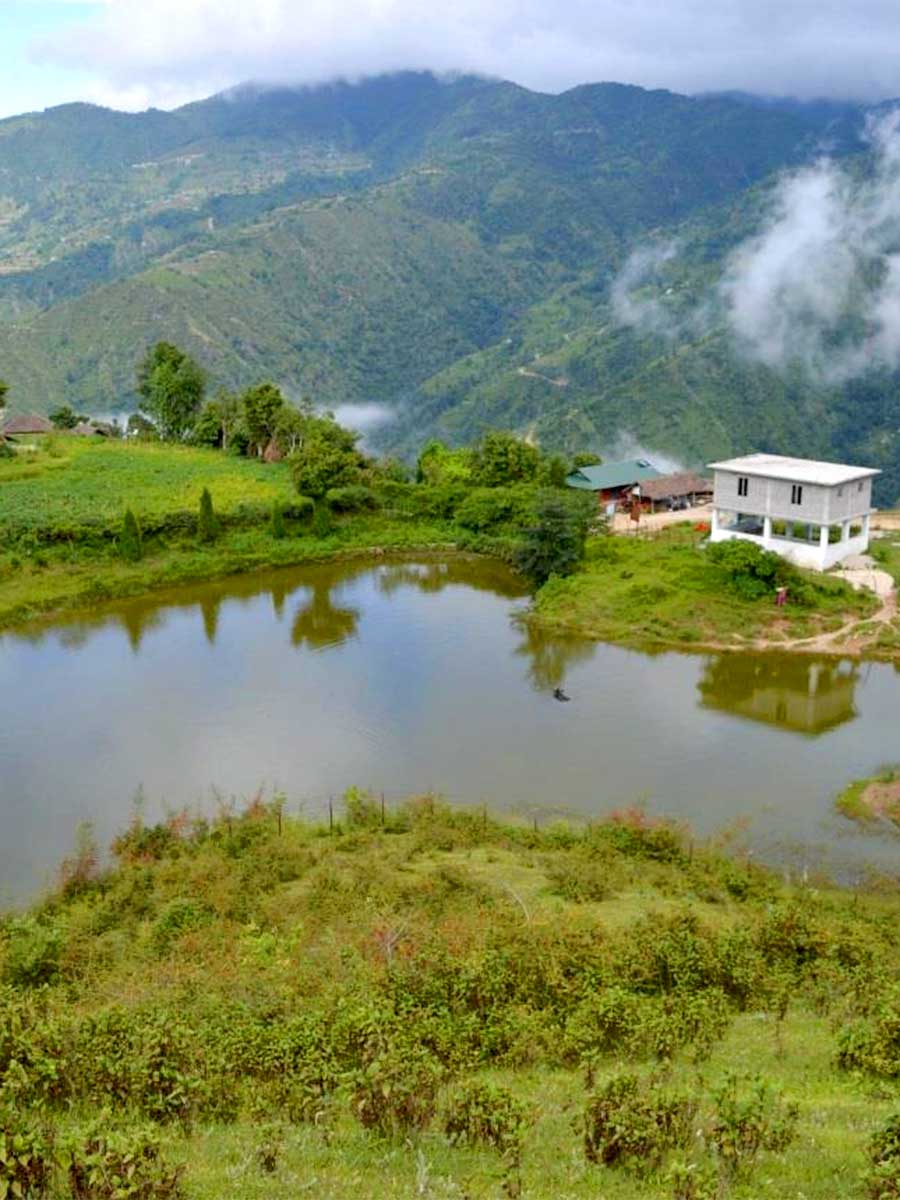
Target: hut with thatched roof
23, 424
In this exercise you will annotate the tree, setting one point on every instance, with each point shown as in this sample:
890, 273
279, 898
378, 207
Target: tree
130, 543
327, 458
554, 471
437, 463
262, 406
207, 524
586, 459
500, 458
65, 417
554, 544
139, 427
4, 392
171, 386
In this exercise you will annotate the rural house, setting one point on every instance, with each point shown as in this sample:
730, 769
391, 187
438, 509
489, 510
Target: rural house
21, 425
682, 490
613, 482
814, 513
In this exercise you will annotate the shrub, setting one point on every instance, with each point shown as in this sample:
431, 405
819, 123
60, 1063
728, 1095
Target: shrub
883, 1176
352, 498
488, 1115
276, 524
750, 571
693, 1181
487, 508
630, 1124
395, 1090
554, 544
208, 522
110, 1165
749, 1121
179, 917
130, 546
873, 1044
26, 1157
32, 952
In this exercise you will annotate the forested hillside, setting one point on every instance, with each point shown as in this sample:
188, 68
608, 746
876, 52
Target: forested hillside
446, 248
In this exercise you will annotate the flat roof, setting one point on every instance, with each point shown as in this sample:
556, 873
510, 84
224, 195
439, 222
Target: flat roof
797, 470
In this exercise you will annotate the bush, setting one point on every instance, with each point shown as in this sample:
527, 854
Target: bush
486, 508
353, 498
554, 544
488, 1115
749, 1122
750, 571
883, 1176
395, 1091
629, 1124
32, 952
873, 1044
276, 525
111, 1165
208, 523
130, 546
26, 1157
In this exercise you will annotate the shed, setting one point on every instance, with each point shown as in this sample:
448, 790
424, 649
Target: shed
670, 490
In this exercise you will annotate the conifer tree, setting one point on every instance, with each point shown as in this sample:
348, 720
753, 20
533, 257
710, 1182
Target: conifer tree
208, 524
130, 543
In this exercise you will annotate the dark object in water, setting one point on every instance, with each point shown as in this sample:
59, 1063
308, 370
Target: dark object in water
559, 694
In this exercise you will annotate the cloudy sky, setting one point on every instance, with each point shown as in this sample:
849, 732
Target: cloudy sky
133, 53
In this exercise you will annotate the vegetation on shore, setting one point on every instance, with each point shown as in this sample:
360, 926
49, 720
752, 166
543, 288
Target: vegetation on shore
432, 1002
876, 798
671, 590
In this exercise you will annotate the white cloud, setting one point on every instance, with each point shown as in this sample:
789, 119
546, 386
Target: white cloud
820, 284
167, 50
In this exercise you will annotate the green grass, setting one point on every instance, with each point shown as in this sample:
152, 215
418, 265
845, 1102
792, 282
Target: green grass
854, 804
456, 931
662, 591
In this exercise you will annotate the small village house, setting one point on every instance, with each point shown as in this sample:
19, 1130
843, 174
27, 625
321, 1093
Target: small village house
681, 490
814, 513
612, 482
25, 424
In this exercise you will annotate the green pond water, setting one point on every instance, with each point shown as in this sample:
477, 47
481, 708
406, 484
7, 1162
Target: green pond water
414, 676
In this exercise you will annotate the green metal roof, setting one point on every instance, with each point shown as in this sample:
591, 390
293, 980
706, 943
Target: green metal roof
612, 475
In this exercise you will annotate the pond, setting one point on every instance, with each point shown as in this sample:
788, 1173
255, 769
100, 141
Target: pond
413, 676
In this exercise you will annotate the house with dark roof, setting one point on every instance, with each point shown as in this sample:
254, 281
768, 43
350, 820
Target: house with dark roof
614, 482
681, 490
23, 424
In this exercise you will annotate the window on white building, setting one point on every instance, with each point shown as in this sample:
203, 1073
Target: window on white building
796, 493
743, 485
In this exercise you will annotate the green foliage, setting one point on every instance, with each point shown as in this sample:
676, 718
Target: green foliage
262, 407
437, 464
327, 458
107, 1164
130, 542
554, 544
750, 1117
64, 417
171, 386
395, 1090
352, 498
634, 1124
585, 458
4, 393
32, 950
487, 508
883, 1174
501, 459
486, 1114
207, 522
872, 1043
751, 571
277, 525
26, 1157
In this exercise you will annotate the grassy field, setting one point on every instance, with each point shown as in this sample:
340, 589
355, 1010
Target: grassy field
663, 591
70, 484
433, 1003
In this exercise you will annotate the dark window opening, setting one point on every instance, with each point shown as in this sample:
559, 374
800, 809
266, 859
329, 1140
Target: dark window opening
743, 485
796, 493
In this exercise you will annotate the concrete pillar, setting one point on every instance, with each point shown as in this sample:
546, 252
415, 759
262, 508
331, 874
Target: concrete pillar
845, 530
865, 528
823, 545
767, 529
714, 522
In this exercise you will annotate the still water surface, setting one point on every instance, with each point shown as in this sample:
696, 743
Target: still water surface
404, 677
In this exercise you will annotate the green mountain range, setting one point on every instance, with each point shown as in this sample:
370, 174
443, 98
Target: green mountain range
444, 248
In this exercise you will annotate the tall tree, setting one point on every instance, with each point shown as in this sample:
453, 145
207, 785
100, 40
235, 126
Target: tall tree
263, 405
500, 458
554, 545
326, 458
171, 385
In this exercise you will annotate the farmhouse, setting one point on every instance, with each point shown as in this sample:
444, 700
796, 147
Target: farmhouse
814, 513
683, 490
612, 482
20, 425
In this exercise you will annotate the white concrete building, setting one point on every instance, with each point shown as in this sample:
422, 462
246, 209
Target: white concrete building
814, 513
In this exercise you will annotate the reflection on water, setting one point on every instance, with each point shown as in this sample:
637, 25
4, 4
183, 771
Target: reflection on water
411, 677
797, 693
